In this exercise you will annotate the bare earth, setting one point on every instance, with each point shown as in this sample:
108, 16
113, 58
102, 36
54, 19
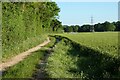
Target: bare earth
21, 56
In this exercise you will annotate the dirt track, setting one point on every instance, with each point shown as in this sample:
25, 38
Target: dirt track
21, 56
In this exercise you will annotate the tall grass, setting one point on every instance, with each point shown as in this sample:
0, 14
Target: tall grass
60, 62
25, 45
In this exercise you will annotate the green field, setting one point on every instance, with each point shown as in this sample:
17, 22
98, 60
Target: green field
105, 42
85, 55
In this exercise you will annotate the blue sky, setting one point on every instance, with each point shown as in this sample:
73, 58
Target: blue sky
80, 12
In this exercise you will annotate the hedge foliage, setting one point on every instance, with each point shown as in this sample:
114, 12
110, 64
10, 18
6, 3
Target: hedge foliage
24, 20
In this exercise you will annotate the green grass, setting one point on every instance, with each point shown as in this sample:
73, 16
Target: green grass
72, 60
26, 68
25, 45
74, 57
105, 42
60, 62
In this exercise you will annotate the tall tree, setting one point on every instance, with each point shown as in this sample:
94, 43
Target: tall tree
55, 24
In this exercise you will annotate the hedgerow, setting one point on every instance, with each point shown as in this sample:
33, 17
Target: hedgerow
25, 20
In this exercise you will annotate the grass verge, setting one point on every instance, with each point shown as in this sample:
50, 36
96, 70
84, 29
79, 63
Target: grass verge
25, 68
25, 45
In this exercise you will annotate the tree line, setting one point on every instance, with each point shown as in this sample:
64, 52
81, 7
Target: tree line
100, 27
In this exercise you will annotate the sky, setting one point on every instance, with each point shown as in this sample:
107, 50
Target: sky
79, 13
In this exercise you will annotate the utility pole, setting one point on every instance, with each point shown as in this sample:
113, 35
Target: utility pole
92, 25
119, 11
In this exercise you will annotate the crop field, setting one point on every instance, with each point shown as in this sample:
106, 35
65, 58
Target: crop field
82, 55
105, 42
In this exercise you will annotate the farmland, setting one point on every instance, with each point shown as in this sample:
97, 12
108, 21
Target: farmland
76, 56
106, 42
